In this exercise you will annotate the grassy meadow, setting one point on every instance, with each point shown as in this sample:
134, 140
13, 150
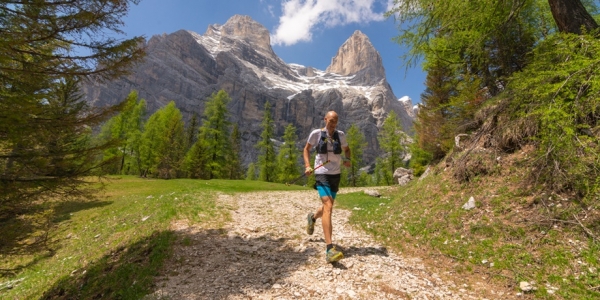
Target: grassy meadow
112, 247
510, 237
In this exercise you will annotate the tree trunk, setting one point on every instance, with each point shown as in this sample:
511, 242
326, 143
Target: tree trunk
571, 16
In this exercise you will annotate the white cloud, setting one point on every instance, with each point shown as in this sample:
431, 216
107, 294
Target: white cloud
271, 10
301, 17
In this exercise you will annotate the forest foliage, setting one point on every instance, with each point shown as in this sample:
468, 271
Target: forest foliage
509, 74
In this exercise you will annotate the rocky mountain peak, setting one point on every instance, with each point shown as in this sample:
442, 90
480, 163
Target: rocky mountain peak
244, 28
187, 68
357, 56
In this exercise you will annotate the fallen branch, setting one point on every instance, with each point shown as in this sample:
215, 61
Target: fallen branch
586, 230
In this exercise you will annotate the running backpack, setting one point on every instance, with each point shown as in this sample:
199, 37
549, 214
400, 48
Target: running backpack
322, 145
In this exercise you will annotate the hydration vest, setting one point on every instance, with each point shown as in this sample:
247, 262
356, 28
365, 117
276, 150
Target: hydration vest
322, 145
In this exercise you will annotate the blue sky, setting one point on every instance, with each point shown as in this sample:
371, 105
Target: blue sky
306, 32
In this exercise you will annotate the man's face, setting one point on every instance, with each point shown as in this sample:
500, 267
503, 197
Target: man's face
331, 121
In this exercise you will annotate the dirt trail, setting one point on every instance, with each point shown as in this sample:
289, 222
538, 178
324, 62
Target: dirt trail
264, 253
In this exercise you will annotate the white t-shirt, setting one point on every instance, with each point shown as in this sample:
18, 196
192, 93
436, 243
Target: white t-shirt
335, 160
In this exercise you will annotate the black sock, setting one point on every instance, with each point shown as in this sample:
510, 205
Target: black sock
329, 246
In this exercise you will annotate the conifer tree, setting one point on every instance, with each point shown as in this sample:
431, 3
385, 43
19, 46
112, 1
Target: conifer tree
267, 159
234, 163
194, 164
171, 149
41, 102
251, 172
380, 176
191, 132
213, 144
125, 130
434, 126
163, 141
391, 139
287, 159
356, 142
135, 125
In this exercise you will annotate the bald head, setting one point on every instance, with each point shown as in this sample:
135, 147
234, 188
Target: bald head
331, 120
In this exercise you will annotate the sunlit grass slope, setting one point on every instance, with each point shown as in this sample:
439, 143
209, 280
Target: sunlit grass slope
112, 247
509, 237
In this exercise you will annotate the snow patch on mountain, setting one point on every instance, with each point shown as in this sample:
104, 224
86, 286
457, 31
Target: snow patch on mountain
321, 80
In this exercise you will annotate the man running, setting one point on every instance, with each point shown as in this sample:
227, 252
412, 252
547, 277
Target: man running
329, 144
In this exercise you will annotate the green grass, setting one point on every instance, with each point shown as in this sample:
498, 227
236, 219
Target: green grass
425, 218
113, 247
110, 248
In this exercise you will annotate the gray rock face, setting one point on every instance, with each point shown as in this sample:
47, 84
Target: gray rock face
187, 68
357, 56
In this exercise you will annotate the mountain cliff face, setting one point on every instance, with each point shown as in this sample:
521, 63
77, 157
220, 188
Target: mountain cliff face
358, 57
187, 68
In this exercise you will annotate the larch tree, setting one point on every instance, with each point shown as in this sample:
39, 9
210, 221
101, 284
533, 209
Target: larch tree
431, 124
392, 142
191, 132
171, 144
251, 172
234, 168
125, 130
267, 164
356, 142
135, 125
287, 158
162, 143
213, 135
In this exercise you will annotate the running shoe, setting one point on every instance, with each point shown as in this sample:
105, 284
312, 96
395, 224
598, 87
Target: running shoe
332, 255
310, 227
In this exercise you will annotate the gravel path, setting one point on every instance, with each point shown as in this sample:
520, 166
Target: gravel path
264, 253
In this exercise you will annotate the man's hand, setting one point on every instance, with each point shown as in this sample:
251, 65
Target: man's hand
308, 170
347, 163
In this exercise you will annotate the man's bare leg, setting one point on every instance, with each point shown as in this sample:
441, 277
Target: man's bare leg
324, 212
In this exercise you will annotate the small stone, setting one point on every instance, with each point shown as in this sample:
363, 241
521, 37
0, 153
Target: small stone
525, 286
372, 193
470, 204
351, 293
277, 286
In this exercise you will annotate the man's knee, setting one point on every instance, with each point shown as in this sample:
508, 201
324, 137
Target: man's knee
327, 203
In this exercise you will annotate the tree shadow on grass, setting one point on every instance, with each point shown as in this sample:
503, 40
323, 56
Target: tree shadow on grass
203, 265
64, 210
127, 273
25, 234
